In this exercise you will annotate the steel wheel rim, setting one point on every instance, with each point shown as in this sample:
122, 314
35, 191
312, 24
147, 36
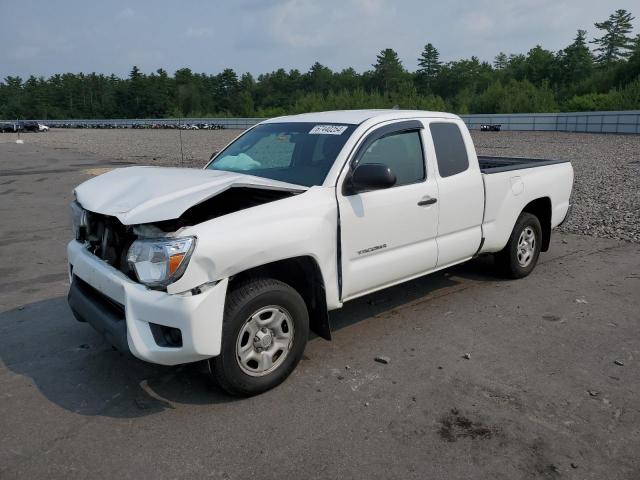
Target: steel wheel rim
526, 247
264, 341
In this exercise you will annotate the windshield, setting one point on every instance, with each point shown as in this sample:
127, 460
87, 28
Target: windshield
300, 153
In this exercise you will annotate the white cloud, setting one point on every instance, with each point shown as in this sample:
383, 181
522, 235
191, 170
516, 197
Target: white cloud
127, 13
328, 25
201, 32
292, 23
370, 6
23, 52
479, 22
263, 35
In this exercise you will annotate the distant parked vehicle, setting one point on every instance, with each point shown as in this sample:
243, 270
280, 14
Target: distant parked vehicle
210, 126
35, 126
7, 127
30, 126
490, 127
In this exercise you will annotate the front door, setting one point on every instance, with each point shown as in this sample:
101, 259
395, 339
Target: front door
389, 235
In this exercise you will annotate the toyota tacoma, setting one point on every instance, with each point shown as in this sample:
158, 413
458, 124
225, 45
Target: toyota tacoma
235, 263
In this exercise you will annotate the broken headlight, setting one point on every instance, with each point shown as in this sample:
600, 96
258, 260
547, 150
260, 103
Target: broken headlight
78, 220
159, 262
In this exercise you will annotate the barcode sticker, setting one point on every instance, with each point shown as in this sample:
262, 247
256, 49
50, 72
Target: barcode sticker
328, 130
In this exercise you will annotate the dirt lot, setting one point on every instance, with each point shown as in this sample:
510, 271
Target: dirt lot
539, 397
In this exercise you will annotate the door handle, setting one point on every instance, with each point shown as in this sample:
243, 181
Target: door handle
427, 201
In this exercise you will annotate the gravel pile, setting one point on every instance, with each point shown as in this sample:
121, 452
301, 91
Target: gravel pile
606, 195
606, 192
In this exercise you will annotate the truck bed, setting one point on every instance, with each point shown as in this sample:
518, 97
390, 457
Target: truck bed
490, 164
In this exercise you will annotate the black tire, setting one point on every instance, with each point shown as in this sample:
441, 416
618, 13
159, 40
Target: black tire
242, 302
507, 260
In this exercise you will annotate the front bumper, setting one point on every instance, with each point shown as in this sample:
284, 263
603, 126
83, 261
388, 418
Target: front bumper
129, 315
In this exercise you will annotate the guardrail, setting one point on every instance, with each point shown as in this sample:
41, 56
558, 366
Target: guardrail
589, 122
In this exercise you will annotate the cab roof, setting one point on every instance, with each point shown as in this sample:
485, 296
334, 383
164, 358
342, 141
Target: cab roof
356, 117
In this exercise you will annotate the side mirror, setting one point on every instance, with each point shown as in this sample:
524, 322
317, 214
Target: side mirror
371, 176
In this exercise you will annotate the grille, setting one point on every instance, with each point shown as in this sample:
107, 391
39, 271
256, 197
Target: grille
109, 240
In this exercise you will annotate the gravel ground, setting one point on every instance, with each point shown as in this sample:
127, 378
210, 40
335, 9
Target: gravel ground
606, 197
606, 194
149, 147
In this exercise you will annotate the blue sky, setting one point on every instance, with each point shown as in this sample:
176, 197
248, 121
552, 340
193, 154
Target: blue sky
54, 36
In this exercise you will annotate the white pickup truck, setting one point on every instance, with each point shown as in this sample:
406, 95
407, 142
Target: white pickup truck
235, 263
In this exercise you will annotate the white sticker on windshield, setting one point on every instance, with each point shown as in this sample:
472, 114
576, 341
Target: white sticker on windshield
328, 129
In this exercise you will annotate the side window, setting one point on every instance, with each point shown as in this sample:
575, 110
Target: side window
451, 153
402, 152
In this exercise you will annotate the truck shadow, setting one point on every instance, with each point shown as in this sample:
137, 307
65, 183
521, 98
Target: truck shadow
422, 289
74, 368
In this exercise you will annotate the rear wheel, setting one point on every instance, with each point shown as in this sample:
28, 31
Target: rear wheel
519, 257
264, 334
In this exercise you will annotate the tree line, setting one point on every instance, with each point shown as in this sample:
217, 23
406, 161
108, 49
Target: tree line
598, 74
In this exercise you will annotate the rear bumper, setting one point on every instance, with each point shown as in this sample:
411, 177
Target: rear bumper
132, 317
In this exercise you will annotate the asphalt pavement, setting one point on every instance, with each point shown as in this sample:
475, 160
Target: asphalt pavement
487, 378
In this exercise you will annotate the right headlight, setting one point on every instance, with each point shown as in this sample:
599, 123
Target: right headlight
78, 220
159, 262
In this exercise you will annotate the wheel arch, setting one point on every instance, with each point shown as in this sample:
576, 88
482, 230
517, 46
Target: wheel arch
541, 208
302, 274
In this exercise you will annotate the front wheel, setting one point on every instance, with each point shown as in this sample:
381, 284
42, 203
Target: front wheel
519, 257
265, 330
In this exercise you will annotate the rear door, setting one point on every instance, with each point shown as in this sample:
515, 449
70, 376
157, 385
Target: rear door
461, 192
389, 235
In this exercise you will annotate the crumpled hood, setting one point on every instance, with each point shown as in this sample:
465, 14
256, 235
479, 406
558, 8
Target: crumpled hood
151, 194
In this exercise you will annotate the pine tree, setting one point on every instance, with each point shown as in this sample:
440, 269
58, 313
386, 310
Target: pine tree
501, 61
227, 88
136, 94
576, 60
318, 79
539, 65
630, 69
430, 64
615, 44
388, 71
635, 48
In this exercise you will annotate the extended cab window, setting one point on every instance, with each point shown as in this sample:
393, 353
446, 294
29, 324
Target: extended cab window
402, 152
451, 153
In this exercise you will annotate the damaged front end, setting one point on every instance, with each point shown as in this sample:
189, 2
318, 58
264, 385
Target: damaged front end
136, 242
155, 254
